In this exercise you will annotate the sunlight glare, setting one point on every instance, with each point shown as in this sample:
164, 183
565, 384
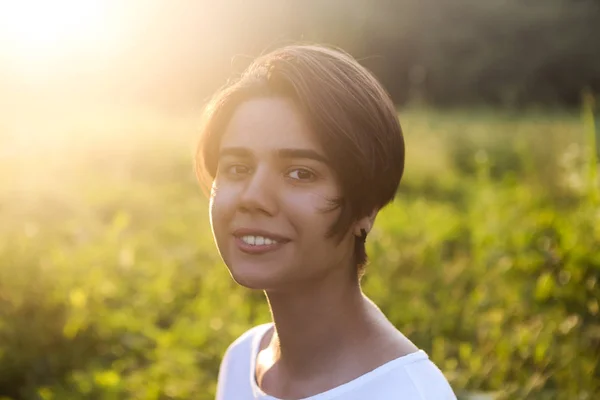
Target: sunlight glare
41, 30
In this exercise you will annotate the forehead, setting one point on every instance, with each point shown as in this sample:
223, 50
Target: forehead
268, 123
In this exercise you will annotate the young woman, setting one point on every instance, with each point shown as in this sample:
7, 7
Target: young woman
302, 152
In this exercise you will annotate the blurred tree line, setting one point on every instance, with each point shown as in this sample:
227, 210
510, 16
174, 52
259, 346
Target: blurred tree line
463, 52
499, 52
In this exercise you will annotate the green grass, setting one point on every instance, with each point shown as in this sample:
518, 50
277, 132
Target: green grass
110, 285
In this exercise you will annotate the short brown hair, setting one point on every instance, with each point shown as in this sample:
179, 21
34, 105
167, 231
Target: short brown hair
351, 114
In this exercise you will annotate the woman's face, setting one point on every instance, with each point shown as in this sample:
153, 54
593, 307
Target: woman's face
270, 195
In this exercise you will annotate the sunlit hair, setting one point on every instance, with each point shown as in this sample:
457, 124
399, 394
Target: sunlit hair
353, 118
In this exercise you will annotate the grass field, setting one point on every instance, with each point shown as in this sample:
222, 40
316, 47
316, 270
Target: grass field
111, 288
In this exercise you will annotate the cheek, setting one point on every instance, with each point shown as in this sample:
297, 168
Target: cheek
221, 208
311, 212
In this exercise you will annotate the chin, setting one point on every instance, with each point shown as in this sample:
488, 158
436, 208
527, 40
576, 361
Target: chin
248, 283
253, 277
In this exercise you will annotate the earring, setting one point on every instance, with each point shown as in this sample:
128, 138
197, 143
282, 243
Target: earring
363, 235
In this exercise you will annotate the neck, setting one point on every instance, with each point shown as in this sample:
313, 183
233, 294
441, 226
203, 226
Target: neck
316, 325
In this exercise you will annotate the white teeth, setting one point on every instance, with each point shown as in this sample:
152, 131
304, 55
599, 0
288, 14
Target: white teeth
257, 240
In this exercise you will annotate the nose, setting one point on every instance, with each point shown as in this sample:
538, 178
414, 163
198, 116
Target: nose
258, 194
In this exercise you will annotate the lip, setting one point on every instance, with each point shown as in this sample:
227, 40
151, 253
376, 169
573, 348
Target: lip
258, 249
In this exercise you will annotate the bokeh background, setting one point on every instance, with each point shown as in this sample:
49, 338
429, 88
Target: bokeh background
489, 259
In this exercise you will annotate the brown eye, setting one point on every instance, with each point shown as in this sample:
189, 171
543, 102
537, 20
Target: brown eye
237, 170
301, 174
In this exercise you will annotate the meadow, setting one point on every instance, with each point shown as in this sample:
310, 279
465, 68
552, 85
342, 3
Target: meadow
488, 259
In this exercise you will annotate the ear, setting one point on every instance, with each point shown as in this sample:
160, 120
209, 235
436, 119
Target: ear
365, 223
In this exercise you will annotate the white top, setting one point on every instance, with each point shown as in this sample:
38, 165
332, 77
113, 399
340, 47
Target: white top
411, 377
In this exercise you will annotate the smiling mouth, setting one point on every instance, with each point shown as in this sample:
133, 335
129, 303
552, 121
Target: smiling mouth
257, 242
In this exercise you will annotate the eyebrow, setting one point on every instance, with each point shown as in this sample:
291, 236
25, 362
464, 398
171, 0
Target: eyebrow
282, 153
234, 151
302, 153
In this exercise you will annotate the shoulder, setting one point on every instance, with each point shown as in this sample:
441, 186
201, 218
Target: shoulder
235, 372
241, 352
246, 342
413, 377
427, 379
